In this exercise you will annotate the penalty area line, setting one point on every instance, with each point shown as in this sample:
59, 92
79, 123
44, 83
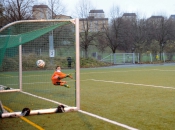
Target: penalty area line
133, 84
108, 120
26, 120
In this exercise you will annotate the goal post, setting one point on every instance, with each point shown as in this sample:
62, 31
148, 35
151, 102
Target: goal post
23, 42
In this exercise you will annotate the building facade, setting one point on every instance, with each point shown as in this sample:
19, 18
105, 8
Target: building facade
95, 22
129, 16
172, 17
42, 12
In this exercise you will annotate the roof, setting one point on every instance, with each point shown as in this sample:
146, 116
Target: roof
61, 16
92, 19
172, 16
156, 17
96, 11
129, 14
40, 6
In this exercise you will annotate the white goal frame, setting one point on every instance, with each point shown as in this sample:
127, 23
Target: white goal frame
77, 74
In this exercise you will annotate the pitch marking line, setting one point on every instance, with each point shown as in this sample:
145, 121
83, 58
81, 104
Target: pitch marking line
108, 120
90, 114
163, 70
133, 84
124, 71
111, 71
26, 120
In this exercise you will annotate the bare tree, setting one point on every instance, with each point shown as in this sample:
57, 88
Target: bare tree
87, 36
1, 14
160, 30
140, 38
113, 31
1, 10
102, 43
17, 9
126, 39
57, 7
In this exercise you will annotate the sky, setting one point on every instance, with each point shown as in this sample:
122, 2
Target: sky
144, 8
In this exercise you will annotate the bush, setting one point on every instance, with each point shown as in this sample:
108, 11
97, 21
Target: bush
90, 63
10, 64
29, 63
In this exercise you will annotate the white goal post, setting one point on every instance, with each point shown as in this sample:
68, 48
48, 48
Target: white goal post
77, 72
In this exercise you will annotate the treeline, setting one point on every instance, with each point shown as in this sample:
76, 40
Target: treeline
127, 34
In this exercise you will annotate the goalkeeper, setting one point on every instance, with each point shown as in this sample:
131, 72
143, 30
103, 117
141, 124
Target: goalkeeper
58, 76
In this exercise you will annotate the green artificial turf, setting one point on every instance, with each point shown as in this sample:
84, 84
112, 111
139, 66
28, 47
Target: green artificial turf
139, 97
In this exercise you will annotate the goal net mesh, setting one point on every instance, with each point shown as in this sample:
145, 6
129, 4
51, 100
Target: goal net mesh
51, 41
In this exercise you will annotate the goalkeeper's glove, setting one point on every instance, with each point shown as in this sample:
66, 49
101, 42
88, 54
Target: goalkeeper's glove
70, 76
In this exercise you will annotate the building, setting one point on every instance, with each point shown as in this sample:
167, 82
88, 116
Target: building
96, 21
42, 12
97, 13
155, 19
129, 16
172, 17
61, 16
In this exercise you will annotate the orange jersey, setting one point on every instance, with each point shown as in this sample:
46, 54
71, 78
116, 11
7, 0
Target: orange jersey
57, 76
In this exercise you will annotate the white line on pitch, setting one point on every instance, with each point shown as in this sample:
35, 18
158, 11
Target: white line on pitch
108, 120
133, 84
163, 70
90, 114
124, 71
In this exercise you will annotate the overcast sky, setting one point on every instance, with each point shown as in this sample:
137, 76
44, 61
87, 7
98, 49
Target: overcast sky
145, 8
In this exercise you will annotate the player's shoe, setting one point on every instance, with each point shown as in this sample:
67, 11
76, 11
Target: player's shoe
7, 88
70, 76
67, 86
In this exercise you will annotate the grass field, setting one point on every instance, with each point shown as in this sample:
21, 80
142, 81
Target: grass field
132, 96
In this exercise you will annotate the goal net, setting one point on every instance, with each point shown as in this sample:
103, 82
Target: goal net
26, 89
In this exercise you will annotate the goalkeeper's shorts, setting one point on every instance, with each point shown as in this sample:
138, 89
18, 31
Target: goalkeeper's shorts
57, 83
60, 83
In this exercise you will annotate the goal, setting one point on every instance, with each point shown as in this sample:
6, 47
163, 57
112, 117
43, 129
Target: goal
26, 89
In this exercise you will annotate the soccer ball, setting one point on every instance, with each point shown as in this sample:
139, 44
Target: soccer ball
40, 63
